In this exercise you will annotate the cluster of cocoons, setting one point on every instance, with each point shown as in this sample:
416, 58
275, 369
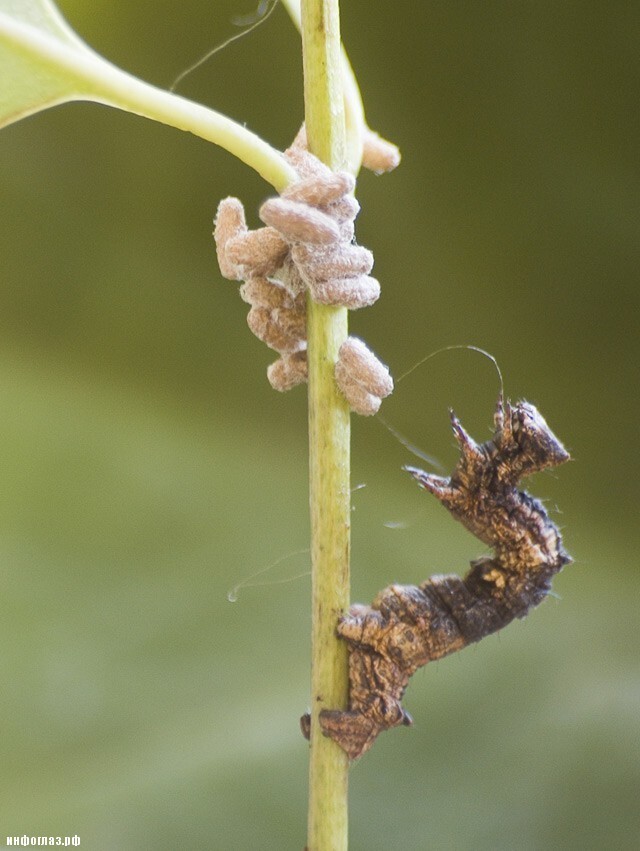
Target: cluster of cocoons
307, 246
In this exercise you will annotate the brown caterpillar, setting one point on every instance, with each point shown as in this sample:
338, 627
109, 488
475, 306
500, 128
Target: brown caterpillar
407, 626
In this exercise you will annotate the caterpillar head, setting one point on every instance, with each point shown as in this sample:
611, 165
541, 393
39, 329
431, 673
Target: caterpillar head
535, 445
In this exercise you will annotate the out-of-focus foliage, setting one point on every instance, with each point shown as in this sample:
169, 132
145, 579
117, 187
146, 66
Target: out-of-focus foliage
147, 467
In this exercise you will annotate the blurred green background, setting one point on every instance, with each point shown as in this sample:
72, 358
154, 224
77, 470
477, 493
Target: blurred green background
147, 467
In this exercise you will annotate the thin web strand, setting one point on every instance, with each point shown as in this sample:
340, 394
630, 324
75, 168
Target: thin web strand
247, 582
405, 441
413, 449
452, 349
251, 22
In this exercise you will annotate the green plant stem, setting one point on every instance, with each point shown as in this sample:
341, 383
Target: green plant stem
329, 447
353, 107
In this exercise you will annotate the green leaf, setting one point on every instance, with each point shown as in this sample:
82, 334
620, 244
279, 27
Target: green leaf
41, 14
31, 33
44, 63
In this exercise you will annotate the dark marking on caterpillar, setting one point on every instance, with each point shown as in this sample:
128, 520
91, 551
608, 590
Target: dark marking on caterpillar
408, 626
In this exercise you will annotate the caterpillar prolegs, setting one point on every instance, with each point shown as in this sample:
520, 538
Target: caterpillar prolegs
407, 626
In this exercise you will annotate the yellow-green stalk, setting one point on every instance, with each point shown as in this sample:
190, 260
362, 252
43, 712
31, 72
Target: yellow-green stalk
329, 439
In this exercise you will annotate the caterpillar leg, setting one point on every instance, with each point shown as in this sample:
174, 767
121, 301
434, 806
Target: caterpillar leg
355, 732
